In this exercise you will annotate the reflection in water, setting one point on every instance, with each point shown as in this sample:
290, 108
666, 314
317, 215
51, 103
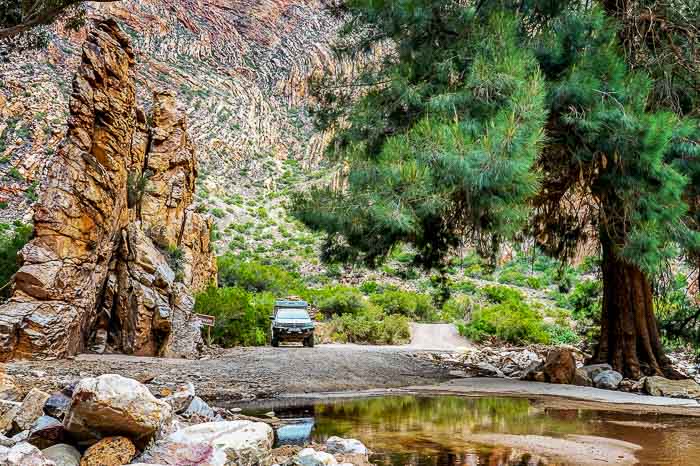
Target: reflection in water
437, 431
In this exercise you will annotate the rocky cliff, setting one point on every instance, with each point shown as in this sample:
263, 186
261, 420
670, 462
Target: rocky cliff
241, 71
118, 248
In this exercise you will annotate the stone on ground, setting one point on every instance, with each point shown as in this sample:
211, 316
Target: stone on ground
110, 451
8, 411
181, 399
345, 446
199, 407
62, 455
582, 379
32, 408
8, 389
311, 457
111, 405
594, 369
661, 386
23, 454
45, 432
608, 380
560, 366
57, 405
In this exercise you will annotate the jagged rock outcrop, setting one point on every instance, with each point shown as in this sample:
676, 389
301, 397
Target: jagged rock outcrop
117, 248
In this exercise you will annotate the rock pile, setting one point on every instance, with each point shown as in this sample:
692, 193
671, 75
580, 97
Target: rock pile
118, 248
113, 420
563, 365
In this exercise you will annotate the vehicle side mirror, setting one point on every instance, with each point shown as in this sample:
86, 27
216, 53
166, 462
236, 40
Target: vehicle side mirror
272, 317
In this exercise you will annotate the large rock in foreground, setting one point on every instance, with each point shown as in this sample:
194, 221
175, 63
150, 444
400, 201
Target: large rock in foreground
230, 442
112, 405
118, 249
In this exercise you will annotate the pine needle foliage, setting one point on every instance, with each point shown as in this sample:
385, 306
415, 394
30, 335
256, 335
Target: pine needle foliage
610, 148
443, 148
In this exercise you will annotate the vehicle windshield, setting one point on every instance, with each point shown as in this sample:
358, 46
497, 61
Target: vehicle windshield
292, 314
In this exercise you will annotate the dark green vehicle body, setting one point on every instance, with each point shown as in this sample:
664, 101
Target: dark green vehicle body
291, 323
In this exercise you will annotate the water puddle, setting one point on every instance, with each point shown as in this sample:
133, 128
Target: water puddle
456, 431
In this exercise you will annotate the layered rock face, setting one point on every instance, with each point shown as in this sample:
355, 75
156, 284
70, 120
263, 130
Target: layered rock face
117, 248
241, 66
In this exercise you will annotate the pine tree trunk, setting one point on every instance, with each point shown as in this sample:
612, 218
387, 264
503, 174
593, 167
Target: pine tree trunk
629, 335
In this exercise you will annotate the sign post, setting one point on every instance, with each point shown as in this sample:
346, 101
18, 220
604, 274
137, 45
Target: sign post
208, 322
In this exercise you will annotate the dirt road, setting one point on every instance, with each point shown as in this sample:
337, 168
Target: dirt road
261, 372
249, 372
437, 337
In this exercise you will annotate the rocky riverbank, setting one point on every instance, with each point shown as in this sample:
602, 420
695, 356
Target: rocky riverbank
563, 365
112, 420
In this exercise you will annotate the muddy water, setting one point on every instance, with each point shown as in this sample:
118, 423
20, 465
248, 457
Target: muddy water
446, 430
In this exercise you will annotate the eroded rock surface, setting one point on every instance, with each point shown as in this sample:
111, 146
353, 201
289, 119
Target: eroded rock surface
118, 249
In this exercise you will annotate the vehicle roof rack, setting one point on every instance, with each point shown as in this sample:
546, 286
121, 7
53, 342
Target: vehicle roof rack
288, 303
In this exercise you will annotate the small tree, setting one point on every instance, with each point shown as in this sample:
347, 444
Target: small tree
20, 16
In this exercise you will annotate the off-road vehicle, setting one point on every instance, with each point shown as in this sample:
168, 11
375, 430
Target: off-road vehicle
291, 322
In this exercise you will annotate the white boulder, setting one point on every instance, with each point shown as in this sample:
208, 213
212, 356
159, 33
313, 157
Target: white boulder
23, 454
215, 444
349, 446
111, 405
311, 457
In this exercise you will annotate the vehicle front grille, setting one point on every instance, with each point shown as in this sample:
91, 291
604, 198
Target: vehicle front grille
294, 325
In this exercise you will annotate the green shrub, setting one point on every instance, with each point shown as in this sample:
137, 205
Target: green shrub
12, 239
515, 277
512, 277
31, 193
241, 318
457, 308
371, 326
502, 294
15, 174
413, 305
465, 286
370, 287
510, 321
234, 271
218, 212
678, 313
338, 300
585, 301
562, 335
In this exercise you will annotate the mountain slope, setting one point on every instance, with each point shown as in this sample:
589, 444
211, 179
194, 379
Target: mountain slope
240, 68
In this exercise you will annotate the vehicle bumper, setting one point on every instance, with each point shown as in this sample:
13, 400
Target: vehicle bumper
293, 334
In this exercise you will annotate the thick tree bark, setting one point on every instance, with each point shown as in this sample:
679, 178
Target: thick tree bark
629, 335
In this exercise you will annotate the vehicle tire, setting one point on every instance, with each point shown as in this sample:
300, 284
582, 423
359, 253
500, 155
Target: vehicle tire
275, 341
309, 341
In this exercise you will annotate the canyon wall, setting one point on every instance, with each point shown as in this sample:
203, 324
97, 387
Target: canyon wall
240, 69
118, 248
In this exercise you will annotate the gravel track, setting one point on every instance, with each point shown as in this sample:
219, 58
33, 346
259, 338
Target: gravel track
247, 373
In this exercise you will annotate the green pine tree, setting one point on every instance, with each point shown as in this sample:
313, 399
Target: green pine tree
482, 111
444, 147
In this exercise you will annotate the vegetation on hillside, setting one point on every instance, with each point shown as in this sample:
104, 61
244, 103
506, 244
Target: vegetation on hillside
12, 239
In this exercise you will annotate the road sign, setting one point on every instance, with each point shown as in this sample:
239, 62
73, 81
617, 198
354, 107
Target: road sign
207, 321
